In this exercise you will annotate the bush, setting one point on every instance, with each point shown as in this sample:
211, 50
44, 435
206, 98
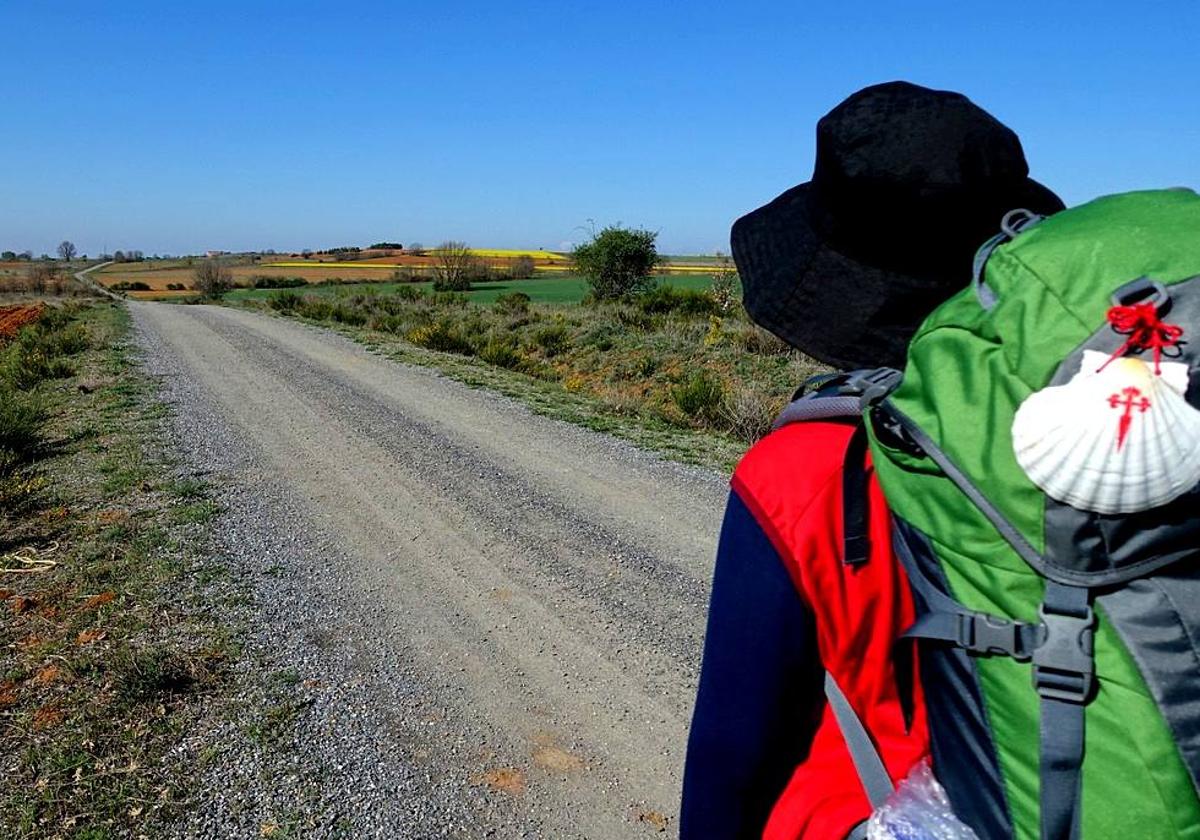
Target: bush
501, 351
40, 275
25, 370
553, 339
130, 286
521, 268
617, 262
285, 302
212, 278
513, 303
318, 309
456, 267
37, 353
602, 337
440, 335
266, 281
350, 315
408, 293
21, 418
700, 398
749, 413
175, 287
726, 285
449, 299
634, 318
666, 299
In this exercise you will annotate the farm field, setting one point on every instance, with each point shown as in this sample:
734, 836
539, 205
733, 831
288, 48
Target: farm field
561, 290
160, 274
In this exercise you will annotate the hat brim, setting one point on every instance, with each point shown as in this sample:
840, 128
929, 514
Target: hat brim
839, 311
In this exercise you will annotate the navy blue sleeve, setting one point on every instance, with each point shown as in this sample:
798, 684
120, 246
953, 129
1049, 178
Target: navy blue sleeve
760, 693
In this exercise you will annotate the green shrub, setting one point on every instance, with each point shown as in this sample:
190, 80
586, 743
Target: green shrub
602, 337
408, 293
662, 300
501, 351
24, 368
21, 418
318, 309
349, 315
440, 335
553, 339
513, 303
700, 397
285, 302
635, 318
449, 299
130, 286
54, 340
266, 281
388, 323
617, 261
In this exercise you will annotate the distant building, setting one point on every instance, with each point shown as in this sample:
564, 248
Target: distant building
211, 254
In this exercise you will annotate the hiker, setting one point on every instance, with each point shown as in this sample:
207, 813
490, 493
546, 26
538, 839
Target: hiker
908, 183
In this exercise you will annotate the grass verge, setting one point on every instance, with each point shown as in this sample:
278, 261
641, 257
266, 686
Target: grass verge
105, 641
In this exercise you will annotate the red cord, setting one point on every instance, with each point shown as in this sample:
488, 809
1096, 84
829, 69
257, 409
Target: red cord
1146, 331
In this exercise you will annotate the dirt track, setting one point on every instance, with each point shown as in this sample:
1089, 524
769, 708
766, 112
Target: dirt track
542, 587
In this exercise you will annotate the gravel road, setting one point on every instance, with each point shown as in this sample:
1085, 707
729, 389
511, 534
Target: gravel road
467, 620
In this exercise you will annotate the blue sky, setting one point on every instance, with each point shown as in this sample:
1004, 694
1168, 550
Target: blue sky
182, 127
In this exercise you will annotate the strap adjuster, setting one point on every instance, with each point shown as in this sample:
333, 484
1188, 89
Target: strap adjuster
989, 634
871, 386
1063, 664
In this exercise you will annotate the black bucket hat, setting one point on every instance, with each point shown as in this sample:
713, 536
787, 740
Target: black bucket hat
908, 183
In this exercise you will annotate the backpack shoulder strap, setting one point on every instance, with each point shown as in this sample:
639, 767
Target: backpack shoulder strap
846, 396
840, 396
872, 773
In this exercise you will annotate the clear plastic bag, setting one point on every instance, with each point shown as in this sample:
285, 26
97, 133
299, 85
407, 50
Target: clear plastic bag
918, 810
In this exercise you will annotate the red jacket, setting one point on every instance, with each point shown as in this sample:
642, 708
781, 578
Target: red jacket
765, 756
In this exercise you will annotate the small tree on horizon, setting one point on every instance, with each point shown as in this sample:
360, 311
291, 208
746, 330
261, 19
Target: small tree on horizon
212, 279
66, 250
617, 262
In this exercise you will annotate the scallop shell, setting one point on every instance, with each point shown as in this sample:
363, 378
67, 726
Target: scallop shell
1117, 438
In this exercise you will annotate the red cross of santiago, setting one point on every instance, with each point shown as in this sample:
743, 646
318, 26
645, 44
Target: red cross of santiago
1131, 400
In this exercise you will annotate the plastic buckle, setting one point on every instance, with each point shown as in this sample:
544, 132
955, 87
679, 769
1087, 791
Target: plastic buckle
981, 633
871, 386
1063, 664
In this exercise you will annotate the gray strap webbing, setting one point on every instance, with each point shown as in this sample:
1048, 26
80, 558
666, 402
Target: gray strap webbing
1064, 694
871, 771
1062, 732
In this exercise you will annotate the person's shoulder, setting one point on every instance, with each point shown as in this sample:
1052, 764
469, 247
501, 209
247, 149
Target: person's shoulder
795, 462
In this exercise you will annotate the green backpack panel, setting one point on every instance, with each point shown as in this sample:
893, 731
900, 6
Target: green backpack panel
972, 527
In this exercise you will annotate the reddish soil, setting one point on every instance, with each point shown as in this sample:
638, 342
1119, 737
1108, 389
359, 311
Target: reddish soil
12, 318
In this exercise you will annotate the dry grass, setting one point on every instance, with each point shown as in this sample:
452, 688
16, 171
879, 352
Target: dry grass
102, 653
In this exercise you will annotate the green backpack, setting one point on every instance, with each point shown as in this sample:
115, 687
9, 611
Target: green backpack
1059, 643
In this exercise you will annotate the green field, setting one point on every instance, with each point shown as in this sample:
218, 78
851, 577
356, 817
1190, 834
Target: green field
563, 290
